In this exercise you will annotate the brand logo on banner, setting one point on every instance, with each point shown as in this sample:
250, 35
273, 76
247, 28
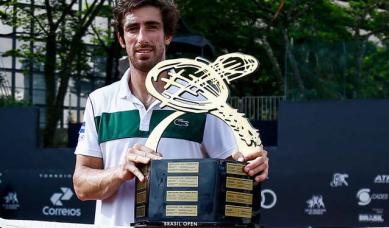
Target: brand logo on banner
371, 218
268, 198
11, 201
381, 179
339, 179
57, 199
315, 205
365, 197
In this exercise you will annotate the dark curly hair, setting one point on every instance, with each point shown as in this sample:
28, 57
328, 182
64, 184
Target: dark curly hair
169, 12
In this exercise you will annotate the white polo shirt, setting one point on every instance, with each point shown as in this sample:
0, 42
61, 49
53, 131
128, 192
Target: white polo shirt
114, 120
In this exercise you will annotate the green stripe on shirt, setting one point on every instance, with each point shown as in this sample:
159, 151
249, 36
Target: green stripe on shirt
125, 124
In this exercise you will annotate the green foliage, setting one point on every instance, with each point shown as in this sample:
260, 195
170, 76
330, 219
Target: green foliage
333, 50
376, 82
9, 101
51, 37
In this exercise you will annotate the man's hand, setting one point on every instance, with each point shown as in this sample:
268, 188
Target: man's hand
92, 181
258, 163
138, 154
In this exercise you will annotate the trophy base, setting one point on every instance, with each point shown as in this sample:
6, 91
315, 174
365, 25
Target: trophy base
197, 192
190, 224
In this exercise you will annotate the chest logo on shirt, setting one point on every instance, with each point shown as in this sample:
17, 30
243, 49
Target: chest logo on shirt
81, 133
82, 128
181, 122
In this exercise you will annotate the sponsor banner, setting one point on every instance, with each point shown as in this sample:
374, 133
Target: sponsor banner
366, 196
358, 200
373, 216
339, 180
58, 200
52, 211
11, 201
268, 198
315, 205
381, 179
45, 195
377, 218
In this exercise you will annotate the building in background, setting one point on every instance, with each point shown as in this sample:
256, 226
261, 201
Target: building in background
25, 81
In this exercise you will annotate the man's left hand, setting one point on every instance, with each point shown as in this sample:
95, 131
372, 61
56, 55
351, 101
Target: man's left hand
258, 163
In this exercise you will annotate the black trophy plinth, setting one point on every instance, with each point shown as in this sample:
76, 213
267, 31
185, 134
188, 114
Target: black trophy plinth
197, 192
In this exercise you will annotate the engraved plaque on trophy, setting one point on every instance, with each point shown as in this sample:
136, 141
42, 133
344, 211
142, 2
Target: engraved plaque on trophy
199, 191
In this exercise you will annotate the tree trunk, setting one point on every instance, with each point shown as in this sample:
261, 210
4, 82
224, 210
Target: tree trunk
359, 62
272, 58
49, 70
294, 66
55, 110
111, 55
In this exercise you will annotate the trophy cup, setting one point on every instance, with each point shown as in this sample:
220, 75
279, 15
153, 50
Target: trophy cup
196, 192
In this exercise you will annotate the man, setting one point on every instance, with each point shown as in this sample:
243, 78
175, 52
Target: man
118, 118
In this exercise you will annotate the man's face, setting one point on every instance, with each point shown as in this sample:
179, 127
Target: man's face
144, 38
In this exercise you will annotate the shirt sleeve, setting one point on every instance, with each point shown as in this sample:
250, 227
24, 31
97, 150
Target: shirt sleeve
218, 139
88, 138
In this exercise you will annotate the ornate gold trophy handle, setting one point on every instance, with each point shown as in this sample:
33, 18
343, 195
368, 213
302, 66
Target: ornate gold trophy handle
155, 136
247, 137
199, 86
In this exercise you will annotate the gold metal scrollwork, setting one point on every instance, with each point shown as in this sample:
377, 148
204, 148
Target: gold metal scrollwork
200, 86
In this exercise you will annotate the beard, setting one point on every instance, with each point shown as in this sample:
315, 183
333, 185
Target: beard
147, 63
144, 66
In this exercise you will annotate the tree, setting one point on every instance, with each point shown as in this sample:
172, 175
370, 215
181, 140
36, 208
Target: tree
371, 21
61, 30
313, 49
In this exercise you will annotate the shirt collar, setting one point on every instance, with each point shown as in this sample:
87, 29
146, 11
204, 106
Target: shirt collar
124, 90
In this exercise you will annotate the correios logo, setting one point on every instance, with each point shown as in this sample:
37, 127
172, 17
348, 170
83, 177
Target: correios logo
57, 200
66, 194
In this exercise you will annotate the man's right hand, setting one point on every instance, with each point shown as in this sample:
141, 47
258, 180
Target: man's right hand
138, 154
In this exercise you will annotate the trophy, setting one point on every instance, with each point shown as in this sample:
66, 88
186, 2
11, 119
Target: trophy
199, 191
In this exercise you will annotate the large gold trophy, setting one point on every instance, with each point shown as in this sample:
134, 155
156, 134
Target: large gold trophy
191, 186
